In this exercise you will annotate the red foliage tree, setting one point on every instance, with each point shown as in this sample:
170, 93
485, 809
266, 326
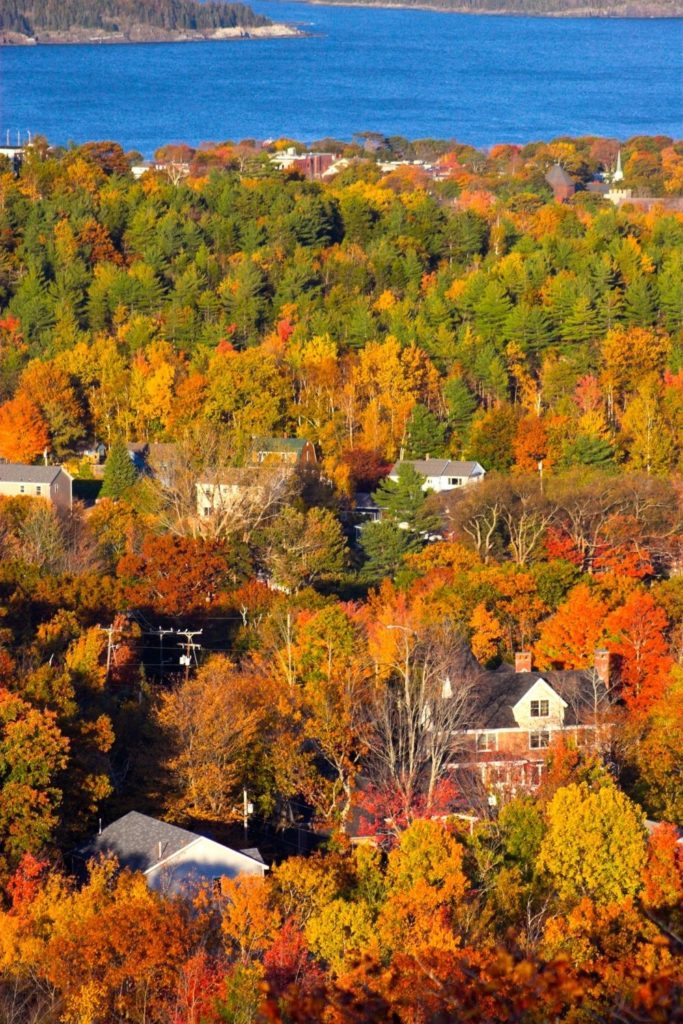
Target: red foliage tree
175, 574
636, 634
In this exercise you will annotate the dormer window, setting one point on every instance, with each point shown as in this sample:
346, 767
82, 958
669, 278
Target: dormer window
540, 708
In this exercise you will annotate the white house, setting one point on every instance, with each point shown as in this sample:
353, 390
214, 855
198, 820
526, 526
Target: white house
443, 474
171, 858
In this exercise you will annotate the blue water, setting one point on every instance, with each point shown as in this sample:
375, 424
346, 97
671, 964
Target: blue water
414, 73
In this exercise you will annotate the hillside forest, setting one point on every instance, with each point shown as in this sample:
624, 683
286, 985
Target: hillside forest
382, 316
29, 18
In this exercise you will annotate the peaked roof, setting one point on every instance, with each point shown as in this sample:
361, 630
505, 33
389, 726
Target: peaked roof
17, 472
440, 467
496, 693
557, 176
138, 841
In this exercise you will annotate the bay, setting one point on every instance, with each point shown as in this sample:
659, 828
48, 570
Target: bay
406, 72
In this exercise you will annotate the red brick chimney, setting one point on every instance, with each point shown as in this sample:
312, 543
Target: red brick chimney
522, 661
602, 666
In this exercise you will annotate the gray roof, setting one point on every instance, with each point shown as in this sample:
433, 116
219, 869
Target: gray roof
17, 472
496, 693
138, 841
439, 467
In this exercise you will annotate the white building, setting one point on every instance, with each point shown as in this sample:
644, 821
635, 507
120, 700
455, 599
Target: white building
171, 858
443, 474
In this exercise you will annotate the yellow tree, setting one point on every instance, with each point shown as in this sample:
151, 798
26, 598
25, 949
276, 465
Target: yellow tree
595, 844
426, 885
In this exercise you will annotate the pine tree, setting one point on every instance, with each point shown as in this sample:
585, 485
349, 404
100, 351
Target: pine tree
119, 472
384, 544
425, 435
403, 502
462, 406
589, 450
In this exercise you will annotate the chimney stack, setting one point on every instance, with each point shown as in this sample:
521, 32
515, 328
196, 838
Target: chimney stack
602, 666
523, 661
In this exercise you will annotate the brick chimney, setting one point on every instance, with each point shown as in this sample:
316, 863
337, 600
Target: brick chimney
602, 666
522, 661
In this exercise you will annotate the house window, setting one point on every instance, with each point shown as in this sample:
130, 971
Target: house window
539, 740
38, 490
455, 481
21, 489
207, 511
486, 741
540, 708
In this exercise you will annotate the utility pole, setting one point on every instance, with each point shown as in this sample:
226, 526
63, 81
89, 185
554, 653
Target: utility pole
191, 649
161, 634
110, 630
247, 809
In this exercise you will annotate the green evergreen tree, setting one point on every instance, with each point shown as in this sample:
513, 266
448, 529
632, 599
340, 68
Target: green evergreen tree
581, 326
492, 311
639, 309
119, 472
384, 545
462, 406
403, 502
589, 450
426, 435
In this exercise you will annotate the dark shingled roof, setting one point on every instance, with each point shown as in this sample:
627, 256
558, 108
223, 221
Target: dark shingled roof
557, 176
16, 472
496, 693
138, 841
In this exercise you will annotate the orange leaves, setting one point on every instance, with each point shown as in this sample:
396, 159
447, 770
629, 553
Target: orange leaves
569, 637
23, 431
530, 445
487, 634
175, 574
663, 873
636, 634
249, 922
211, 726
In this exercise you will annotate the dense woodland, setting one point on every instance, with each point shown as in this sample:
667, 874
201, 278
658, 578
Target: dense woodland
374, 315
35, 16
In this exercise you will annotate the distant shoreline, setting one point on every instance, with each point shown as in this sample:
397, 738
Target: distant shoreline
149, 34
510, 12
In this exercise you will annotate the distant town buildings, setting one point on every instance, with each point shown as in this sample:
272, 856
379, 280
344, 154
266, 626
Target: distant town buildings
312, 165
561, 183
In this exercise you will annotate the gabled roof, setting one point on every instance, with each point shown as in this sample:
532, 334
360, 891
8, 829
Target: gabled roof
139, 842
17, 472
496, 694
279, 444
557, 177
440, 467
